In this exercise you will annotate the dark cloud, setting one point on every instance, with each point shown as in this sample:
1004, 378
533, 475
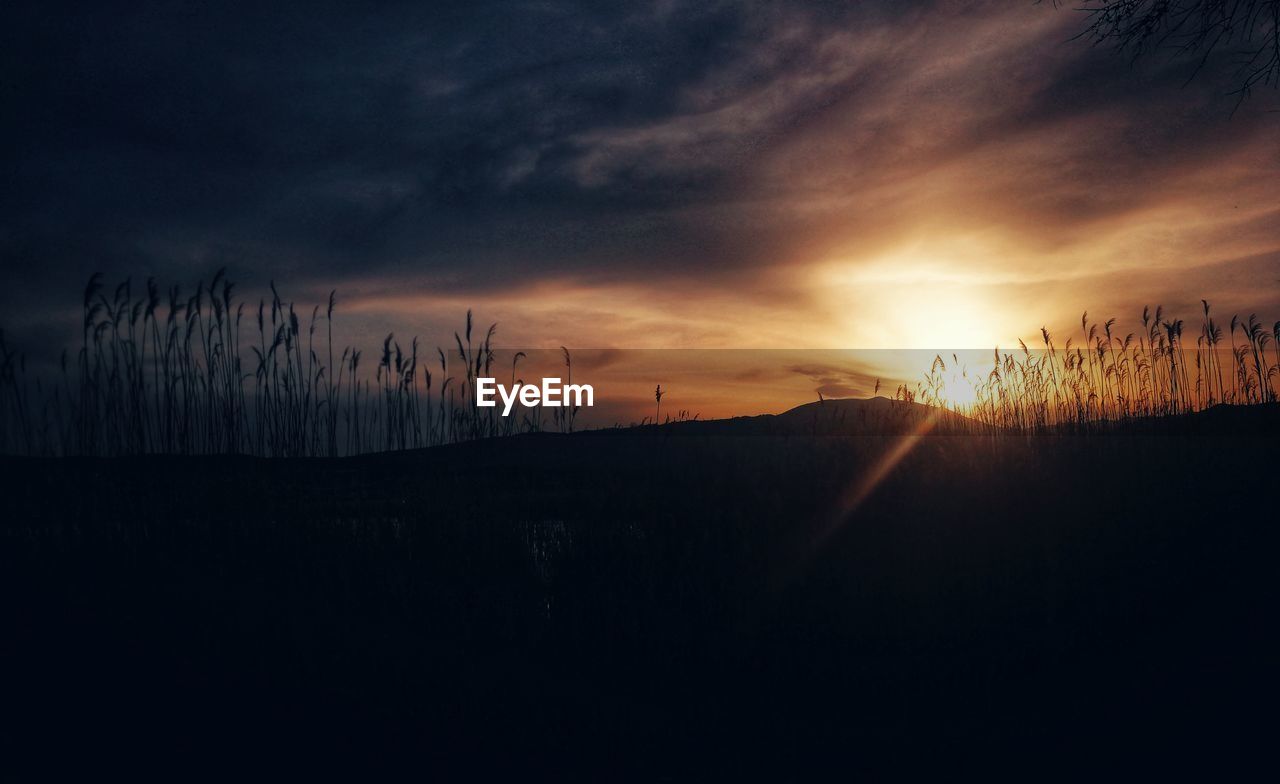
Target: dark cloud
836, 381
333, 138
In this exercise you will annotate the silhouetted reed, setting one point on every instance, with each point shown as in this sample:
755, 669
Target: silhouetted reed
1111, 377
172, 375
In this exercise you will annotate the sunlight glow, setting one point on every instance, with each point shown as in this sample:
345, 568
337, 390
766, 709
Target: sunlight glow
918, 299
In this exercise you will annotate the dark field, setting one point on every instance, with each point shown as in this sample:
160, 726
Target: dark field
652, 603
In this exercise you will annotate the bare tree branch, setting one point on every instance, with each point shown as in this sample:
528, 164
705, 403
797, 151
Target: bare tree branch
1247, 30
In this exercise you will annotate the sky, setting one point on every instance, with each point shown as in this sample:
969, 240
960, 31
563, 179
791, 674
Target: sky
638, 175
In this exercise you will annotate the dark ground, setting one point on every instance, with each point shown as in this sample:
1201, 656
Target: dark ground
641, 604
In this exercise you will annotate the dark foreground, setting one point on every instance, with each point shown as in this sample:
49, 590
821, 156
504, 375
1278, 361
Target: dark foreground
649, 606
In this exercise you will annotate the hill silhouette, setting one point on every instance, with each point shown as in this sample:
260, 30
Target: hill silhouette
875, 416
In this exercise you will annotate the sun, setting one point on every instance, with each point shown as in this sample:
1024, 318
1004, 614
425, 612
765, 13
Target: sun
959, 391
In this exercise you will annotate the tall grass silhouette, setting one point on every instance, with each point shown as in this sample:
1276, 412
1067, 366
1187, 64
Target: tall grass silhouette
207, 374
1110, 377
